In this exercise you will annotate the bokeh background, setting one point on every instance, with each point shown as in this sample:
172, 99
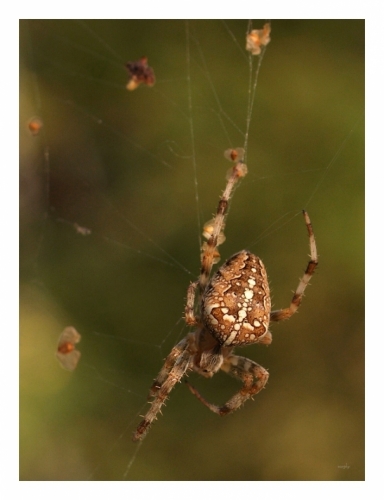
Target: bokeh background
125, 165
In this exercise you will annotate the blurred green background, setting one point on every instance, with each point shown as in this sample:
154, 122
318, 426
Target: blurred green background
124, 165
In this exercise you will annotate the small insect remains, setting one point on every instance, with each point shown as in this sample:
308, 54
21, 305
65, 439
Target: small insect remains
35, 125
140, 72
230, 309
66, 353
257, 39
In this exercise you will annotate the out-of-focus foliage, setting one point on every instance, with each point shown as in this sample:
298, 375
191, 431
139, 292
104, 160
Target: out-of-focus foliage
123, 165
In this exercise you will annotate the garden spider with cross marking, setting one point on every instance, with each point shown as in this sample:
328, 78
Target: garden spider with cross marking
234, 310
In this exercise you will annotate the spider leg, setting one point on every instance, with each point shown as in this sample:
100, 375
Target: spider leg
175, 366
253, 376
286, 313
169, 363
190, 317
213, 230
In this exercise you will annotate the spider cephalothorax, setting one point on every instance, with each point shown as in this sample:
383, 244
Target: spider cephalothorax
234, 309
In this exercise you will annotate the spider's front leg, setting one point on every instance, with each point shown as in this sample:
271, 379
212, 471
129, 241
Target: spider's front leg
253, 376
286, 313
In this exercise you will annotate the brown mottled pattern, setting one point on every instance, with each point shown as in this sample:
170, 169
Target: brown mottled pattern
236, 303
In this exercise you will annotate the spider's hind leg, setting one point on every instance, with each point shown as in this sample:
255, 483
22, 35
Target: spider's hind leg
169, 364
176, 364
253, 376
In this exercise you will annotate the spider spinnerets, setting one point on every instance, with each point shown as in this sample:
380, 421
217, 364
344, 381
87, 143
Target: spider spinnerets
234, 309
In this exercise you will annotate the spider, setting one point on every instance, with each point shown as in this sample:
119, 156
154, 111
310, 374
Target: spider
234, 310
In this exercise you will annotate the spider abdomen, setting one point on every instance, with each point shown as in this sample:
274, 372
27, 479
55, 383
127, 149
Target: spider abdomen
236, 304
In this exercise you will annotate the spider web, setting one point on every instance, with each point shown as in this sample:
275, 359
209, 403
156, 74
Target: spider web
114, 190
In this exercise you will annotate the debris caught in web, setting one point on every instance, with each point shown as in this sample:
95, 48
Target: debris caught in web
84, 231
256, 39
35, 124
66, 353
234, 154
140, 73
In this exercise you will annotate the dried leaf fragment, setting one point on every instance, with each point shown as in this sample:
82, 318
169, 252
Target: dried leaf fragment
140, 73
66, 353
256, 39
